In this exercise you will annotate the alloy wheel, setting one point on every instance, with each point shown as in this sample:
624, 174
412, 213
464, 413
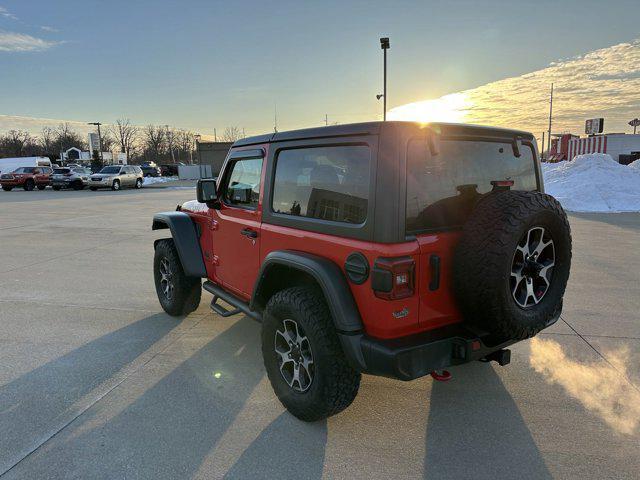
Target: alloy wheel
295, 358
532, 267
166, 278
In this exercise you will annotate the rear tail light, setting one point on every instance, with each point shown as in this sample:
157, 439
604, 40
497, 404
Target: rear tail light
393, 278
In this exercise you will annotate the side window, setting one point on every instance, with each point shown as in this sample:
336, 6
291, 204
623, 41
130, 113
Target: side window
243, 185
328, 183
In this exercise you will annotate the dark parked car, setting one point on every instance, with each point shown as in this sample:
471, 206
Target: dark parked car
150, 169
170, 170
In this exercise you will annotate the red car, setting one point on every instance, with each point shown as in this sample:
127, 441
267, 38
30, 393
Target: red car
27, 178
388, 248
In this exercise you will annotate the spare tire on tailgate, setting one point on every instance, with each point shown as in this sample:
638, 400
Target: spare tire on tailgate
512, 263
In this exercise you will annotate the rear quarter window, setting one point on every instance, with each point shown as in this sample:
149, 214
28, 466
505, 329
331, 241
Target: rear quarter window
325, 182
442, 189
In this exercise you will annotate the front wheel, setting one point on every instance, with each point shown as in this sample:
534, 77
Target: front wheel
78, 185
115, 185
56, 188
178, 294
7, 189
93, 189
41, 187
28, 185
303, 356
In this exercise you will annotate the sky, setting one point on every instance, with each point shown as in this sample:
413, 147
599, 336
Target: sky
201, 65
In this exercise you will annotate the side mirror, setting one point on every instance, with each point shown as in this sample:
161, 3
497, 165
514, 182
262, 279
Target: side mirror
206, 191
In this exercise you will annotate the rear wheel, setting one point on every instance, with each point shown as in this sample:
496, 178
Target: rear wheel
41, 187
28, 185
93, 189
178, 294
56, 188
6, 188
115, 185
303, 356
78, 185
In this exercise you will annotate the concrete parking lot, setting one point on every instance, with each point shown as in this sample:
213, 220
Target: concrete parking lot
97, 382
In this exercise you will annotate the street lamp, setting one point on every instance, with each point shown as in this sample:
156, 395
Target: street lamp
385, 45
97, 124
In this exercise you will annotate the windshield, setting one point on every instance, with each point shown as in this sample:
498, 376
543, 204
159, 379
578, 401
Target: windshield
110, 170
442, 189
24, 170
59, 171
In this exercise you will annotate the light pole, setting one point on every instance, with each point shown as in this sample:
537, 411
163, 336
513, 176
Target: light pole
97, 124
385, 45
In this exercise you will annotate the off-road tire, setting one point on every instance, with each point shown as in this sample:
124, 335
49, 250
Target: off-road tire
7, 189
115, 185
484, 257
41, 187
56, 188
335, 384
187, 291
29, 185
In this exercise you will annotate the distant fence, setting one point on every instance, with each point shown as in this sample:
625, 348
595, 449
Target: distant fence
193, 172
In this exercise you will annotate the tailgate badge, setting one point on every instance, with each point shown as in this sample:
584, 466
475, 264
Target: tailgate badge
401, 313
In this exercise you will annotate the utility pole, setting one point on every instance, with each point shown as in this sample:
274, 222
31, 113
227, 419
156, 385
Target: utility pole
97, 124
215, 135
550, 114
326, 119
542, 153
385, 45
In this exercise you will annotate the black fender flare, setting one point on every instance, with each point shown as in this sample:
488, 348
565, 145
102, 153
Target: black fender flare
185, 237
330, 279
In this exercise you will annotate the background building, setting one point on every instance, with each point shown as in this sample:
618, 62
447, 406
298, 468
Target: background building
213, 154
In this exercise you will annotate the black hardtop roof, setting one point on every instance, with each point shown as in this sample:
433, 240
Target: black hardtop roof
373, 128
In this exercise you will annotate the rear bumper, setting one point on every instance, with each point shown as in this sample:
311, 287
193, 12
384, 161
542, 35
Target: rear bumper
408, 358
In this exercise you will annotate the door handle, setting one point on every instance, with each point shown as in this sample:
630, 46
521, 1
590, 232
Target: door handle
434, 262
249, 232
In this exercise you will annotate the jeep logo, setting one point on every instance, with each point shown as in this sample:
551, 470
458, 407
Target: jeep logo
401, 313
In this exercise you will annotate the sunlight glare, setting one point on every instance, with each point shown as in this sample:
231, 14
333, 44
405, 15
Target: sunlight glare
449, 108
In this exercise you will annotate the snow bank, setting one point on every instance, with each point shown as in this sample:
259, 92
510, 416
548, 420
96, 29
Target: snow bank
152, 180
635, 164
594, 183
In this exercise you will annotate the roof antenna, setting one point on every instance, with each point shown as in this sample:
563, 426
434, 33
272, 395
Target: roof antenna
275, 118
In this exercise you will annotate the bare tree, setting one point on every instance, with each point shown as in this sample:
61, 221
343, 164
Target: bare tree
17, 143
154, 141
47, 140
186, 141
66, 138
108, 141
170, 135
126, 135
231, 134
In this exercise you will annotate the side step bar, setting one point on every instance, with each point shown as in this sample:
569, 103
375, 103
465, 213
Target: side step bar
239, 305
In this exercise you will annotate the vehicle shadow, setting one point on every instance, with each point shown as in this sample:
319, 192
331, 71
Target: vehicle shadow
476, 430
36, 405
625, 220
168, 430
286, 446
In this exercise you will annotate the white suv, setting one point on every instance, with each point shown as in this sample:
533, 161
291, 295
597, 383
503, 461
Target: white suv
116, 177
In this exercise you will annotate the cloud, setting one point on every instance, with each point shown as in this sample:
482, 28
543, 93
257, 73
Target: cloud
19, 42
7, 14
602, 83
47, 28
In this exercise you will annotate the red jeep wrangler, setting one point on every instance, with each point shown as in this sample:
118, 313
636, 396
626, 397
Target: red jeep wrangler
387, 248
27, 178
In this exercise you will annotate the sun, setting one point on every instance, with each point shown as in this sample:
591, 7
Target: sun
450, 108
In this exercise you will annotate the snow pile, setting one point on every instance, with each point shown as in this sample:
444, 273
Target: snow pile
594, 183
635, 164
152, 180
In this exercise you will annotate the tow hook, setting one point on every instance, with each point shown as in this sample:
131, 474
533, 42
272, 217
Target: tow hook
502, 357
441, 375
